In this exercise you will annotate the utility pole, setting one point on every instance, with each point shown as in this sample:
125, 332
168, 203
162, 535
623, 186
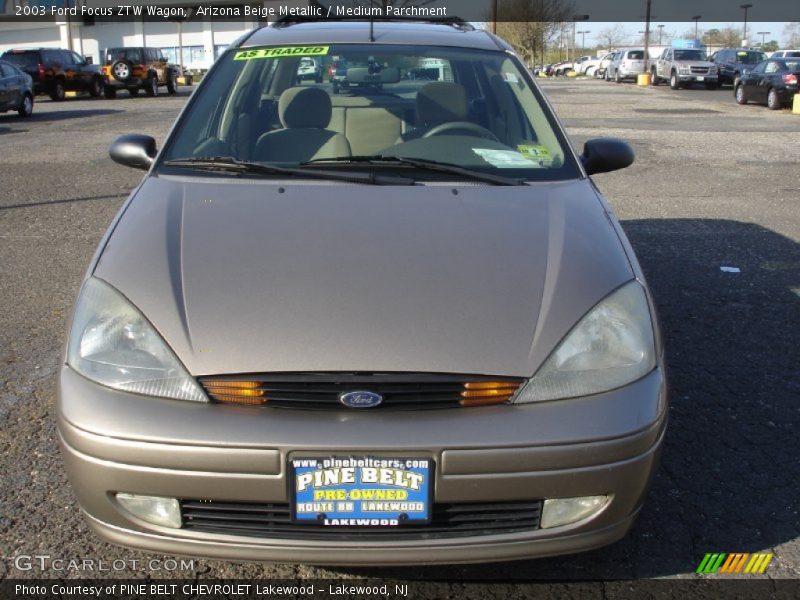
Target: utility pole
494, 16
745, 7
660, 32
647, 37
762, 34
696, 18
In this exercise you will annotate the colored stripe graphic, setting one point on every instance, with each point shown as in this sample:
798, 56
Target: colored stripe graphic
711, 563
734, 563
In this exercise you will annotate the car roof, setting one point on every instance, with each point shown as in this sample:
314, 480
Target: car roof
350, 32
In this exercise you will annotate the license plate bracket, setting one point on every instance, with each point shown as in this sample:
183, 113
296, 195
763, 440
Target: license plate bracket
361, 491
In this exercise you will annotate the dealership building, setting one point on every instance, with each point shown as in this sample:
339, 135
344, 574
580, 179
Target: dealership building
194, 42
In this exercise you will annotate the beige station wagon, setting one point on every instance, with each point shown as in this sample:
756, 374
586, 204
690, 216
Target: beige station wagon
394, 325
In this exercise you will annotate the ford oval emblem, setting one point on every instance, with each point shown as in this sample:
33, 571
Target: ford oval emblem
360, 399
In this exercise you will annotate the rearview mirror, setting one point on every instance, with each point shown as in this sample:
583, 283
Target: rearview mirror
133, 150
601, 155
363, 76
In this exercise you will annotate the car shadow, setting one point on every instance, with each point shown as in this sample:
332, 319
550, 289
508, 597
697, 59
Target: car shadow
62, 115
729, 468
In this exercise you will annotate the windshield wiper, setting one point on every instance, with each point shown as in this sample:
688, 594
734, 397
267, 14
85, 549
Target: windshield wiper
419, 163
228, 164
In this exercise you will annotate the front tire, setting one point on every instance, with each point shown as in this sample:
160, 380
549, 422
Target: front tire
674, 82
96, 89
654, 78
617, 78
58, 93
773, 100
25, 109
151, 88
739, 94
172, 84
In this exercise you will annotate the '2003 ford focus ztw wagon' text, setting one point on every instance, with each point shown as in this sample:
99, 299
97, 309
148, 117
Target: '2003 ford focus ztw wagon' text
393, 324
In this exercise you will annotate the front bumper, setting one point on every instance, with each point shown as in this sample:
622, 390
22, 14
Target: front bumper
604, 444
693, 77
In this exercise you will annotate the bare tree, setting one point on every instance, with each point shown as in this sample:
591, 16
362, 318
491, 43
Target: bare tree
611, 37
530, 25
727, 36
791, 35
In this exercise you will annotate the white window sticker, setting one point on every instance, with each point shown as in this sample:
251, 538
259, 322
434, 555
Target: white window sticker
505, 159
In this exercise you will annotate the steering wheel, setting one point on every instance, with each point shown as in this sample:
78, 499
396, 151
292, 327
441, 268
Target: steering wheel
462, 126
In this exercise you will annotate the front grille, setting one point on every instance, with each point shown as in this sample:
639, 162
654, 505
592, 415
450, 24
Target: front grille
274, 521
699, 70
398, 390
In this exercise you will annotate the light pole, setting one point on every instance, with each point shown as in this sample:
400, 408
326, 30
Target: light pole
576, 18
696, 19
583, 38
647, 17
745, 7
660, 33
762, 34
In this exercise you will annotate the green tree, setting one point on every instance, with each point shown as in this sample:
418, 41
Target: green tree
770, 46
727, 36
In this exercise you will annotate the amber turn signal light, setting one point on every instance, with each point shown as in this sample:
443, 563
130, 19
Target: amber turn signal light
481, 393
235, 392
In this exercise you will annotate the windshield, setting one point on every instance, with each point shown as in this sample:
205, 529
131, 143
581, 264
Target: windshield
750, 58
690, 55
473, 109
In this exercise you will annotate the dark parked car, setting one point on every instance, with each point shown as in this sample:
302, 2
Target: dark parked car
732, 63
134, 69
16, 90
56, 71
772, 81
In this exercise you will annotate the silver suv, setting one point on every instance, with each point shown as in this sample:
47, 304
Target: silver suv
627, 64
683, 67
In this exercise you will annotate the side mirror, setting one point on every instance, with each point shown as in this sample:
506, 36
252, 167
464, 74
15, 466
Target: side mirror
133, 150
601, 155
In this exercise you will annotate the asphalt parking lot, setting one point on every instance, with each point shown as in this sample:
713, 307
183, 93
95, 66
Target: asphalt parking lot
714, 185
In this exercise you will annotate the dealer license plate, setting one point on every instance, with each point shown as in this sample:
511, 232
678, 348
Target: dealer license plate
361, 491
700, 78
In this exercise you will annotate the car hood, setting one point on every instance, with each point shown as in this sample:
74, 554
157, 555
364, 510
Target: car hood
243, 276
695, 63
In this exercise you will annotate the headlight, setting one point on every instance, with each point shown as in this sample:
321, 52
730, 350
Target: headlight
611, 346
112, 343
684, 70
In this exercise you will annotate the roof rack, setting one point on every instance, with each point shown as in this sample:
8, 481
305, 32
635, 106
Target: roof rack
456, 22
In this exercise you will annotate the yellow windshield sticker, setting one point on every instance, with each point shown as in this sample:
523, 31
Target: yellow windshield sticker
534, 152
283, 52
